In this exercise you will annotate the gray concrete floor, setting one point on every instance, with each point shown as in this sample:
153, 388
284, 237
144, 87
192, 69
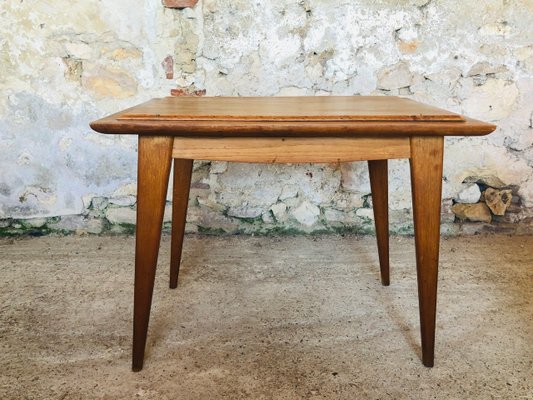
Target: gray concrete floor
265, 318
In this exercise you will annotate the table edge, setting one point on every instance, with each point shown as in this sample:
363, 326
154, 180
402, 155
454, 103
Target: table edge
470, 127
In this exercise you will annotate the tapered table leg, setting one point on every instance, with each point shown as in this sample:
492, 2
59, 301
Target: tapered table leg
380, 203
155, 156
426, 180
180, 200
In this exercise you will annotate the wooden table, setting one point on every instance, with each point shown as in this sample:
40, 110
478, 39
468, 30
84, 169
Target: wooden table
287, 130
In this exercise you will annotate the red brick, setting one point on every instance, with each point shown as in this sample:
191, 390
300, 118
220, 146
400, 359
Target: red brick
187, 92
179, 3
168, 67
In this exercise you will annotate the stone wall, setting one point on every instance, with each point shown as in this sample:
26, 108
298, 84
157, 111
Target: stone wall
64, 64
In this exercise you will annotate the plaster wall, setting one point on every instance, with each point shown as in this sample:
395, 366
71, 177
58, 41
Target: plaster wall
63, 64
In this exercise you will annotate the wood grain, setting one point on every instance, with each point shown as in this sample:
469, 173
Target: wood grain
112, 125
290, 130
290, 150
378, 171
180, 201
321, 120
154, 160
426, 181
318, 108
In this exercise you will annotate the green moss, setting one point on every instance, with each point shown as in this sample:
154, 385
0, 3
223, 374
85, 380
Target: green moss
366, 201
250, 220
282, 231
127, 229
403, 230
353, 230
11, 231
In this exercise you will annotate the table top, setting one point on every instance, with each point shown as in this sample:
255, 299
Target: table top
327, 116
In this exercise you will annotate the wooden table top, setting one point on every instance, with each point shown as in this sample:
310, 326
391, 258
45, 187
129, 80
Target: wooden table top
327, 116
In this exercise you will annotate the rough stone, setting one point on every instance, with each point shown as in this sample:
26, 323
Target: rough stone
355, 178
103, 56
344, 219
69, 224
470, 194
123, 201
95, 226
109, 82
35, 222
245, 212
218, 167
365, 213
121, 215
279, 210
99, 203
129, 189
347, 201
495, 29
498, 200
210, 203
208, 220
395, 77
492, 101
488, 180
478, 212
267, 218
306, 213
288, 191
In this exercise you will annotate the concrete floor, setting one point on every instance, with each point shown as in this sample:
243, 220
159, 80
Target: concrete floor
265, 318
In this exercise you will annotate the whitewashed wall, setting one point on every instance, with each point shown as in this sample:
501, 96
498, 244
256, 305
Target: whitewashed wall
63, 64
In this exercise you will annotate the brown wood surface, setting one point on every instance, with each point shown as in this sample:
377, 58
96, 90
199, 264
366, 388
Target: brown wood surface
295, 116
305, 129
317, 108
378, 170
426, 181
180, 200
154, 160
291, 150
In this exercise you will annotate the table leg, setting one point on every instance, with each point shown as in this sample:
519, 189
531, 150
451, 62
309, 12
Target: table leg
426, 180
180, 200
380, 203
154, 158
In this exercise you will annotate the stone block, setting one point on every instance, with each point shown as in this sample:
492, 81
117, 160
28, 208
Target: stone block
365, 213
478, 212
121, 215
395, 77
108, 81
95, 226
306, 213
498, 200
245, 212
279, 211
471, 194
123, 201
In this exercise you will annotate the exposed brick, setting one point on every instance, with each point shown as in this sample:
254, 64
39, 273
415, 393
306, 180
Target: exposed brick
168, 67
187, 92
179, 3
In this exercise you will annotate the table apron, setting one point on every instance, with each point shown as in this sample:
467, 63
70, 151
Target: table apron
291, 149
